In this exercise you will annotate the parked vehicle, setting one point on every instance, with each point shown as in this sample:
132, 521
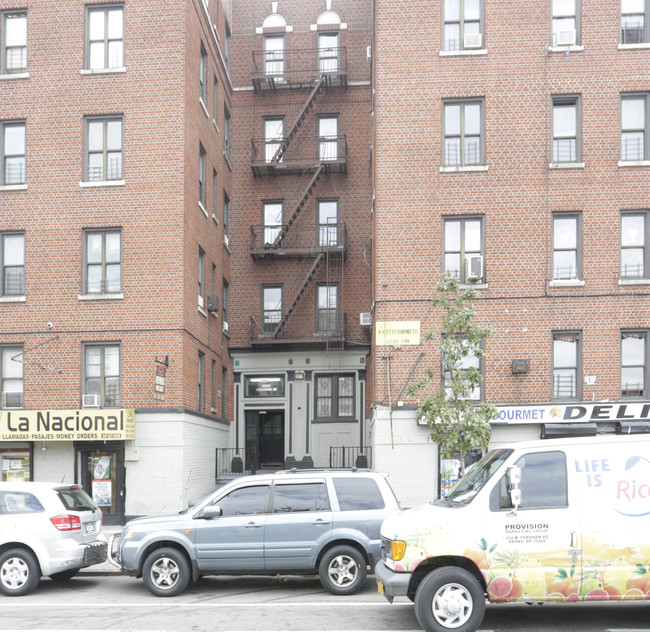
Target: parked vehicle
46, 530
323, 522
561, 520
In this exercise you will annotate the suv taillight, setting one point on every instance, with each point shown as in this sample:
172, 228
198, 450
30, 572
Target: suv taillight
66, 522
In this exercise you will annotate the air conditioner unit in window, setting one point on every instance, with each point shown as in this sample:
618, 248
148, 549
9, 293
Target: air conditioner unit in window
474, 268
90, 401
472, 40
213, 304
365, 319
12, 399
225, 327
565, 38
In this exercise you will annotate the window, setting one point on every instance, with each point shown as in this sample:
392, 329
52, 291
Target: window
103, 149
273, 135
358, 494
12, 264
271, 308
201, 380
463, 133
328, 52
14, 502
12, 143
462, 25
468, 360
203, 80
245, 501
564, 22
635, 262
634, 22
224, 382
226, 134
214, 195
634, 363
213, 387
463, 248
201, 277
634, 127
226, 218
11, 376
328, 228
102, 373
224, 304
300, 497
334, 397
226, 46
201, 175
566, 365
274, 55
327, 316
214, 99
105, 37
566, 246
566, 132
14, 42
272, 222
328, 137
103, 261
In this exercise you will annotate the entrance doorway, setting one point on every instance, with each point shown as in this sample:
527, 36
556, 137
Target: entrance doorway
265, 436
101, 469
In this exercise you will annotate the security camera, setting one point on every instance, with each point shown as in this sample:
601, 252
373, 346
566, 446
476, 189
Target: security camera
50, 325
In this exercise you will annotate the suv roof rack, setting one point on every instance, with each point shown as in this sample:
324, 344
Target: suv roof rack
299, 470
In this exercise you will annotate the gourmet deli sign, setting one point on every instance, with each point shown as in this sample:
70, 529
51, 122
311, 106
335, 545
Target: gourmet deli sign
67, 425
574, 413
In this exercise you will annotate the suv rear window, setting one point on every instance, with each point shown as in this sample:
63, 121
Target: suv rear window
358, 493
19, 503
75, 499
300, 497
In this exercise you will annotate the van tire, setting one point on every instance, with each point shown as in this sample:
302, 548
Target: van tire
166, 572
342, 571
19, 572
450, 598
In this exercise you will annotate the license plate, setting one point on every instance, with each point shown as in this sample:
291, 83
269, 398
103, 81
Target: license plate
90, 527
380, 588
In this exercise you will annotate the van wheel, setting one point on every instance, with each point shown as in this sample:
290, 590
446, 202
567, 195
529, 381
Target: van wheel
166, 572
19, 572
450, 599
342, 570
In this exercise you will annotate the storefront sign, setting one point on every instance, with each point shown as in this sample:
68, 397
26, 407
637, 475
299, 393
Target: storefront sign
573, 413
159, 383
398, 333
264, 386
67, 425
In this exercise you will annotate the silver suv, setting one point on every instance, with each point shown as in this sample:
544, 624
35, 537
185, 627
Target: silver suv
323, 522
46, 529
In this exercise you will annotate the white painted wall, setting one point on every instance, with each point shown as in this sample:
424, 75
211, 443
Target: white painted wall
54, 464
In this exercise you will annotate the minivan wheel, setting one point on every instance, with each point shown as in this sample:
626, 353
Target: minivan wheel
166, 572
450, 599
19, 572
342, 570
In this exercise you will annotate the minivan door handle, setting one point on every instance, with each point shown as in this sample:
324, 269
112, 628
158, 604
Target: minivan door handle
320, 521
253, 525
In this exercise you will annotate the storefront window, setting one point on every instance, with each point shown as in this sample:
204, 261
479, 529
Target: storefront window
15, 464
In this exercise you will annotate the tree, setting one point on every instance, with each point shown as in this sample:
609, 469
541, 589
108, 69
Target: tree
458, 422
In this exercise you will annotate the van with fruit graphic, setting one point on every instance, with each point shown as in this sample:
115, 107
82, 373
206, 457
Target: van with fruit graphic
561, 520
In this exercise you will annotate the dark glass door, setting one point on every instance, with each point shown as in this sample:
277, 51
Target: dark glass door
265, 434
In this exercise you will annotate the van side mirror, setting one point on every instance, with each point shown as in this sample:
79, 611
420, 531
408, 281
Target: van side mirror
212, 511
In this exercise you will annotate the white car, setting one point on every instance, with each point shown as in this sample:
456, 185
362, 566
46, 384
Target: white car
46, 530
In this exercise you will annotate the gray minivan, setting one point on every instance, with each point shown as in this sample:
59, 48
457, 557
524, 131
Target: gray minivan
323, 522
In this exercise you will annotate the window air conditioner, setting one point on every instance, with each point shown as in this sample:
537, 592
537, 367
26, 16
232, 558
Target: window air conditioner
12, 399
365, 319
90, 401
225, 327
213, 304
474, 268
472, 40
565, 38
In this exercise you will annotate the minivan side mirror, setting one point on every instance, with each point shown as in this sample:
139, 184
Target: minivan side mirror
212, 511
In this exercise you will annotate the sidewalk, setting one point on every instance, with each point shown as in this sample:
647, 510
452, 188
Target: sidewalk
105, 568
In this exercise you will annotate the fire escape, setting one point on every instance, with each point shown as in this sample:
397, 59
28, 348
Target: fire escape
307, 159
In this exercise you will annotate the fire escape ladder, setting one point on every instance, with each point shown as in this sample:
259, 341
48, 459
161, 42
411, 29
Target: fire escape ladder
303, 287
306, 109
303, 200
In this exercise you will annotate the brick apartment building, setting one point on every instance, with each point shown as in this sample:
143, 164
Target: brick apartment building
113, 192
512, 148
300, 233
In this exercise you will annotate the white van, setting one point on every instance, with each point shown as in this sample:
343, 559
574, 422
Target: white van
560, 520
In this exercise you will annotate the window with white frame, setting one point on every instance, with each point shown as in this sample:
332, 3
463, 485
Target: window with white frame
215, 93
272, 211
13, 39
328, 223
464, 248
328, 138
271, 308
105, 37
634, 21
12, 264
202, 186
462, 25
565, 22
327, 309
566, 129
328, 51
566, 246
201, 382
463, 133
103, 149
334, 396
201, 278
274, 55
468, 361
11, 376
566, 365
12, 144
213, 387
101, 375
225, 290
103, 261
226, 45
634, 363
214, 194
226, 218
635, 245
226, 134
203, 75
634, 127
273, 130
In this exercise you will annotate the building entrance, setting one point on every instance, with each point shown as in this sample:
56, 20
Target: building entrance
265, 437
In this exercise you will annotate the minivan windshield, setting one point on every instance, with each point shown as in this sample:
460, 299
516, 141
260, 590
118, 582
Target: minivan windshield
475, 480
